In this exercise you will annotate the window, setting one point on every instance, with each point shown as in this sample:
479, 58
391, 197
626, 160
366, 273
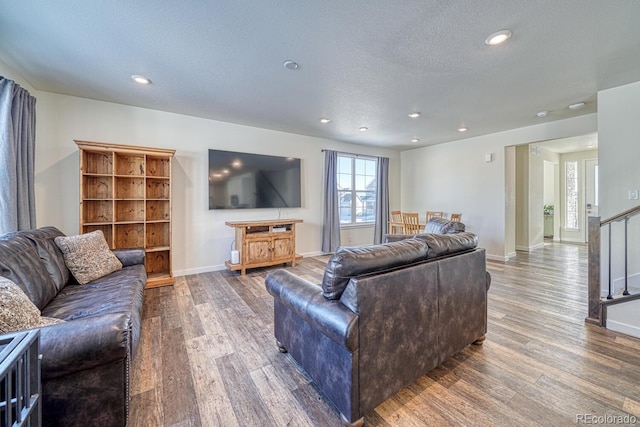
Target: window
571, 174
357, 189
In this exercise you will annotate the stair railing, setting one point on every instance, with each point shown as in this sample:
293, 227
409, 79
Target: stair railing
595, 314
623, 216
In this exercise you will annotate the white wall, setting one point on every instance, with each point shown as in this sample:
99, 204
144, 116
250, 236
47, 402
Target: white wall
618, 154
550, 184
454, 177
510, 220
530, 193
625, 318
522, 197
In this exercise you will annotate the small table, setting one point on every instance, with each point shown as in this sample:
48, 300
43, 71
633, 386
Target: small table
20, 375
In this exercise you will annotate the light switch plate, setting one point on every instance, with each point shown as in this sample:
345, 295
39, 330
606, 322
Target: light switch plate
633, 194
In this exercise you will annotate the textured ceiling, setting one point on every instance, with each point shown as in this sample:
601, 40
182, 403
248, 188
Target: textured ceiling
362, 62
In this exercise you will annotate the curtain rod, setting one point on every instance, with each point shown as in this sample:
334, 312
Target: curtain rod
350, 154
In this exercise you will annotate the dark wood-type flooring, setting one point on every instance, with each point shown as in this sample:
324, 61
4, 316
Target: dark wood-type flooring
207, 357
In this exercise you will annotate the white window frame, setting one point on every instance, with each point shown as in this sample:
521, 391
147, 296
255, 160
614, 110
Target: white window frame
353, 192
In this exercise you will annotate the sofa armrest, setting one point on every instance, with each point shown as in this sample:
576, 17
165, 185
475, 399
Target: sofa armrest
130, 256
84, 343
330, 317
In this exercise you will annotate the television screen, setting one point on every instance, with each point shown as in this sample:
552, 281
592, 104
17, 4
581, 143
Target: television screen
251, 181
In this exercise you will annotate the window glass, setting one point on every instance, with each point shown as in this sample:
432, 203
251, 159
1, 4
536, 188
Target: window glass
571, 173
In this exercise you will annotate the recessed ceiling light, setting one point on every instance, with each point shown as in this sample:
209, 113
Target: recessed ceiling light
576, 106
141, 79
542, 113
462, 129
363, 128
498, 38
291, 65
415, 140
414, 115
325, 120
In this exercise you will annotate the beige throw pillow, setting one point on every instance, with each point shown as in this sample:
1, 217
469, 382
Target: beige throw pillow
17, 312
88, 256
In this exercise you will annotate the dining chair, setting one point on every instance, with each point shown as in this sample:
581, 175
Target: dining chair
434, 214
395, 225
456, 217
410, 222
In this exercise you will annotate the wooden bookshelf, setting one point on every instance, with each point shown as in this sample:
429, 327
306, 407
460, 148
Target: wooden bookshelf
125, 191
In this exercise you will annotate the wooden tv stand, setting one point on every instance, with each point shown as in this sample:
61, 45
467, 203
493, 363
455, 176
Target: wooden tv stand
264, 243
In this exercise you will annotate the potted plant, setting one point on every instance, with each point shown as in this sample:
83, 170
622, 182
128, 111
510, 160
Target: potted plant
548, 209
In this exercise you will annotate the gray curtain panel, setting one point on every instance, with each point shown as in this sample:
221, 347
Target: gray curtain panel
17, 157
382, 200
330, 213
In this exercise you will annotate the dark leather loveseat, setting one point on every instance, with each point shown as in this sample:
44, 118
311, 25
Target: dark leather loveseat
86, 359
383, 316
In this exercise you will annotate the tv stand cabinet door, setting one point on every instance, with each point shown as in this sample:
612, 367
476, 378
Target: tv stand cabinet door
283, 249
258, 252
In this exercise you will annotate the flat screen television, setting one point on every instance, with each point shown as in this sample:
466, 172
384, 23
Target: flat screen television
253, 181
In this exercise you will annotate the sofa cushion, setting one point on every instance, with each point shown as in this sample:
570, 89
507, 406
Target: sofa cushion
116, 292
447, 244
50, 254
443, 226
17, 312
88, 256
348, 262
21, 263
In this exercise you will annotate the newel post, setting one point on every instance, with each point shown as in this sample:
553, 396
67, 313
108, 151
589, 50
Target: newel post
594, 271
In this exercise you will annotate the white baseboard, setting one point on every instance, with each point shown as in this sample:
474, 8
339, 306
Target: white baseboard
571, 240
206, 269
624, 328
529, 248
497, 258
312, 254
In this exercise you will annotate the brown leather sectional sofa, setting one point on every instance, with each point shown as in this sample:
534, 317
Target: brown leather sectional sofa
86, 359
383, 316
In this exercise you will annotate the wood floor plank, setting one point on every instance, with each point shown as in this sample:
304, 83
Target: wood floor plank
197, 289
242, 392
319, 411
190, 320
277, 399
179, 398
146, 408
214, 406
169, 310
215, 330
496, 410
207, 356
632, 407
147, 368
